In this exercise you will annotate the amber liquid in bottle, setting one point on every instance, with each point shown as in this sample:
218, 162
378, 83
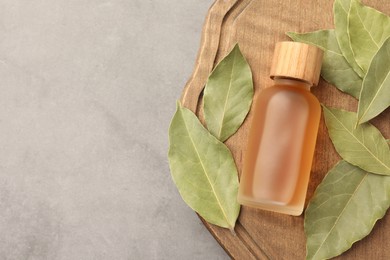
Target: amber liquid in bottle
280, 148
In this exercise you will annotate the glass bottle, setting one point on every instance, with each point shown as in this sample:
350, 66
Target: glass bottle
283, 133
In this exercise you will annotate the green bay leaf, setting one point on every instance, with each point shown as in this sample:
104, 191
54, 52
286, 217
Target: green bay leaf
375, 93
335, 68
203, 170
341, 10
228, 95
368, 29
344, 209
363, 146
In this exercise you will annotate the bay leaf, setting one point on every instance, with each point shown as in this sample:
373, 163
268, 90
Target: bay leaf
335, 68
363, 146
344, 209
203, 170
341, 9
228, 95
368, 29
375, 93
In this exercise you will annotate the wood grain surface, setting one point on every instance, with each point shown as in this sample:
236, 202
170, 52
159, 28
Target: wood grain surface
257, 25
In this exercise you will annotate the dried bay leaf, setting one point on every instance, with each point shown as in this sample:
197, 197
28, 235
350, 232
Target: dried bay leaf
341, 9
363, 146
203, 170
368, 29
228, 95
375, 93
344, 209
335, 68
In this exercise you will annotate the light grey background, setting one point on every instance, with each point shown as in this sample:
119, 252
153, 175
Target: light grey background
87, 91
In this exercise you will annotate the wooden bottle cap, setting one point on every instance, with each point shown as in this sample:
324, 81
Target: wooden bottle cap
298, 61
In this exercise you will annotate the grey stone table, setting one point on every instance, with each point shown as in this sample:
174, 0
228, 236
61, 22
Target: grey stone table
87, 91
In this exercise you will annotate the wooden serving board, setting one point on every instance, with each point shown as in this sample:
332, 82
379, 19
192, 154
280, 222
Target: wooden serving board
257, 25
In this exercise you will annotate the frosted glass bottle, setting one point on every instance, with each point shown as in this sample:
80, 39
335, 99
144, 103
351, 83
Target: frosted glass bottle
283, 133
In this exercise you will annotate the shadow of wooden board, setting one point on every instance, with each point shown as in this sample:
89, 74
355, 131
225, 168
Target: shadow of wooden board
257, 25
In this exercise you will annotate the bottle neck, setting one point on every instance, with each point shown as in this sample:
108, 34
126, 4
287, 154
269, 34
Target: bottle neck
292, 82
